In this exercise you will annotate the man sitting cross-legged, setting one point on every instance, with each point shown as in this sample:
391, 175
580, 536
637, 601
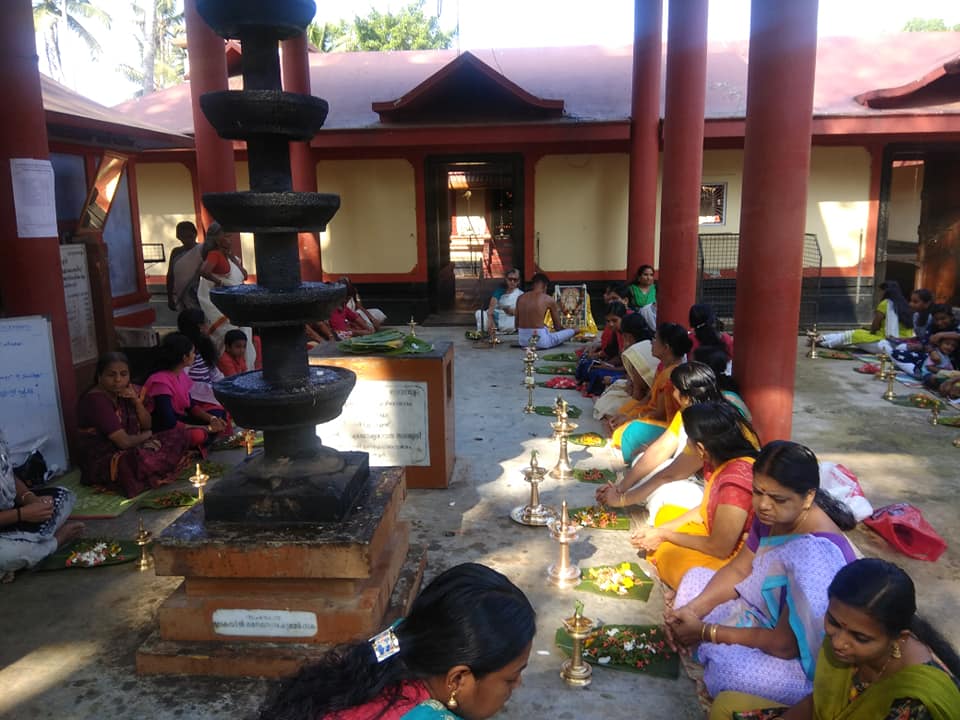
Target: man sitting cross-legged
532, 308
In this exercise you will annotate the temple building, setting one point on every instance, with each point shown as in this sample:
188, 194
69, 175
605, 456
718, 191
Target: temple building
452, 168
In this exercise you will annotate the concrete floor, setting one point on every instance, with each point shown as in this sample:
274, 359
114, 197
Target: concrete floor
69, 638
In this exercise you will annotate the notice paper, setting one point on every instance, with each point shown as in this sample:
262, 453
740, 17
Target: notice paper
33, 197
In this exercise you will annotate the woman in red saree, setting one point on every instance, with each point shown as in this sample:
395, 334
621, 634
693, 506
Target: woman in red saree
118, 447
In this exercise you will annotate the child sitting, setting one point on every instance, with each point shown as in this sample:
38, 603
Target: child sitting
940, 356
233, 361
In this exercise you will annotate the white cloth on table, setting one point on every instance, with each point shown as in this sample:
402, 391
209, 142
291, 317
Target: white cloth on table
546, 338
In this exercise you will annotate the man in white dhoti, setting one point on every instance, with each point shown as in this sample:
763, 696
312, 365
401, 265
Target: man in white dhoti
501, 314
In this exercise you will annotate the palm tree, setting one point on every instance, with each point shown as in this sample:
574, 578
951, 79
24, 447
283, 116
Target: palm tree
161, 25
54, 18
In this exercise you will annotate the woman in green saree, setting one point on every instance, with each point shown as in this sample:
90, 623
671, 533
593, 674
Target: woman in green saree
878, 661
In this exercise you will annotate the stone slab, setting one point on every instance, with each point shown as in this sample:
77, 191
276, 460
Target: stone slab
346, 550
157, 656
339, 617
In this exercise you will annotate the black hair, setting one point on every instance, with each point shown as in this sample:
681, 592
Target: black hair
469, 615
697, 382
107, 359
721, 429
796, 468
887, 594
540, 278
892, 292
618, 309
173, 348
186, 226
622, 290
942, 309
232, 336
703, 322
674, 337
923, 316
717, 358
634, 325
189, 322
640, 271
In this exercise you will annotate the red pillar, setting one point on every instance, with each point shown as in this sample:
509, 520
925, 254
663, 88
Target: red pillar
776, 164
208, 73
644, 135
295, 70
30, 278
686, 88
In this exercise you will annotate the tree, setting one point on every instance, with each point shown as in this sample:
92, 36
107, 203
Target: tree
408, 29
328, 37
162, 59
918, 24
54, 18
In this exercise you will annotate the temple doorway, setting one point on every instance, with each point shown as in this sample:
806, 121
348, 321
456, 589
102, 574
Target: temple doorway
474, 210
919, 232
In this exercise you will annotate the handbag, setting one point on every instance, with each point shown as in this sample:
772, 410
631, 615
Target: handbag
904, 527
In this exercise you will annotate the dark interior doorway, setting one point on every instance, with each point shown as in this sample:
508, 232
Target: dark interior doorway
919, 231
474, 207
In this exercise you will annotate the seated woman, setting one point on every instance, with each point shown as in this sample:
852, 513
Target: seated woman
641, 422
879, 660
596, 369
204, 372
910, 356
501, 313
658, 476
705, 330
718, 360
373, 318
32, 524
639, 367
459, 653
710, 535
759, 619
643, 294
892, 323
167, 398
345, 323
117, 446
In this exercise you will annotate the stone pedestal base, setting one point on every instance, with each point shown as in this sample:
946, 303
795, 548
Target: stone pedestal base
261, 602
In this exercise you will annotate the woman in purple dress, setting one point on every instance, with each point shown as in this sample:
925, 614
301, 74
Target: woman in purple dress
757, 622
117, 446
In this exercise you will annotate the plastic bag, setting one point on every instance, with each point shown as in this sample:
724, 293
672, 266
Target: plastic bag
843, 485
903, 526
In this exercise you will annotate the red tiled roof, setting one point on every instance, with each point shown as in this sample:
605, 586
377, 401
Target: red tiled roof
594, 82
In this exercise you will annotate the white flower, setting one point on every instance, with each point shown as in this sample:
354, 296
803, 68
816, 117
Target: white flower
629, 645
612, 632
604, 660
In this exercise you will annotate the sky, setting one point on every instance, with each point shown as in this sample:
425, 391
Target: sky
504, 24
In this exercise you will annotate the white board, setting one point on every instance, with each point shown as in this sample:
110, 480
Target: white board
386, 418
30, 414
76, 289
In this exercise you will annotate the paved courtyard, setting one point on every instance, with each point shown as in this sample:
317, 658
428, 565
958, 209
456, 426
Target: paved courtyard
69, 638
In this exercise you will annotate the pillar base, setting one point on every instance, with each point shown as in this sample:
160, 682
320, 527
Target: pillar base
263, 601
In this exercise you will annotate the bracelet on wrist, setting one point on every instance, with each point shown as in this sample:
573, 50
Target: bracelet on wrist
713, 634
703, 627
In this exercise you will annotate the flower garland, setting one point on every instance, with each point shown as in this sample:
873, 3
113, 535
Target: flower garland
613, 645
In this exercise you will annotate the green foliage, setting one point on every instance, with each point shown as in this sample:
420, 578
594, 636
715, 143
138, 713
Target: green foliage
408, 29
919, 24
162, 60
51, 17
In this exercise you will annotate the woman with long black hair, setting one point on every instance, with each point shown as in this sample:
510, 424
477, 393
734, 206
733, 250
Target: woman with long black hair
458, 654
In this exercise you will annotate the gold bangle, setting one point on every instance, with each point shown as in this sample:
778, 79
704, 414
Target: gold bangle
713, 634
703, 626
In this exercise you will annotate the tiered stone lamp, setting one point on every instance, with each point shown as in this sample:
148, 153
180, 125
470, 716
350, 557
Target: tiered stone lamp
300, 545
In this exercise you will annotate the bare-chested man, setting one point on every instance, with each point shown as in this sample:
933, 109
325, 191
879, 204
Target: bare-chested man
532, 308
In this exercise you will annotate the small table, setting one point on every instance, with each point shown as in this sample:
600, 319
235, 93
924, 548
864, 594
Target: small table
401, 411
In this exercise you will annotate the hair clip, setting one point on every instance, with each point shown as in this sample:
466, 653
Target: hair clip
385, 644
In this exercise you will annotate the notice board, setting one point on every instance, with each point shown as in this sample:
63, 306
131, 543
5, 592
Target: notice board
30, 413
76, 289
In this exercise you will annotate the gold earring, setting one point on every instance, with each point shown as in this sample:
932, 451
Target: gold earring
895, 651
452, 702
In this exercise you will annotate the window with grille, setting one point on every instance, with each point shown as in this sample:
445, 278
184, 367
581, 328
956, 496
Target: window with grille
713, 204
